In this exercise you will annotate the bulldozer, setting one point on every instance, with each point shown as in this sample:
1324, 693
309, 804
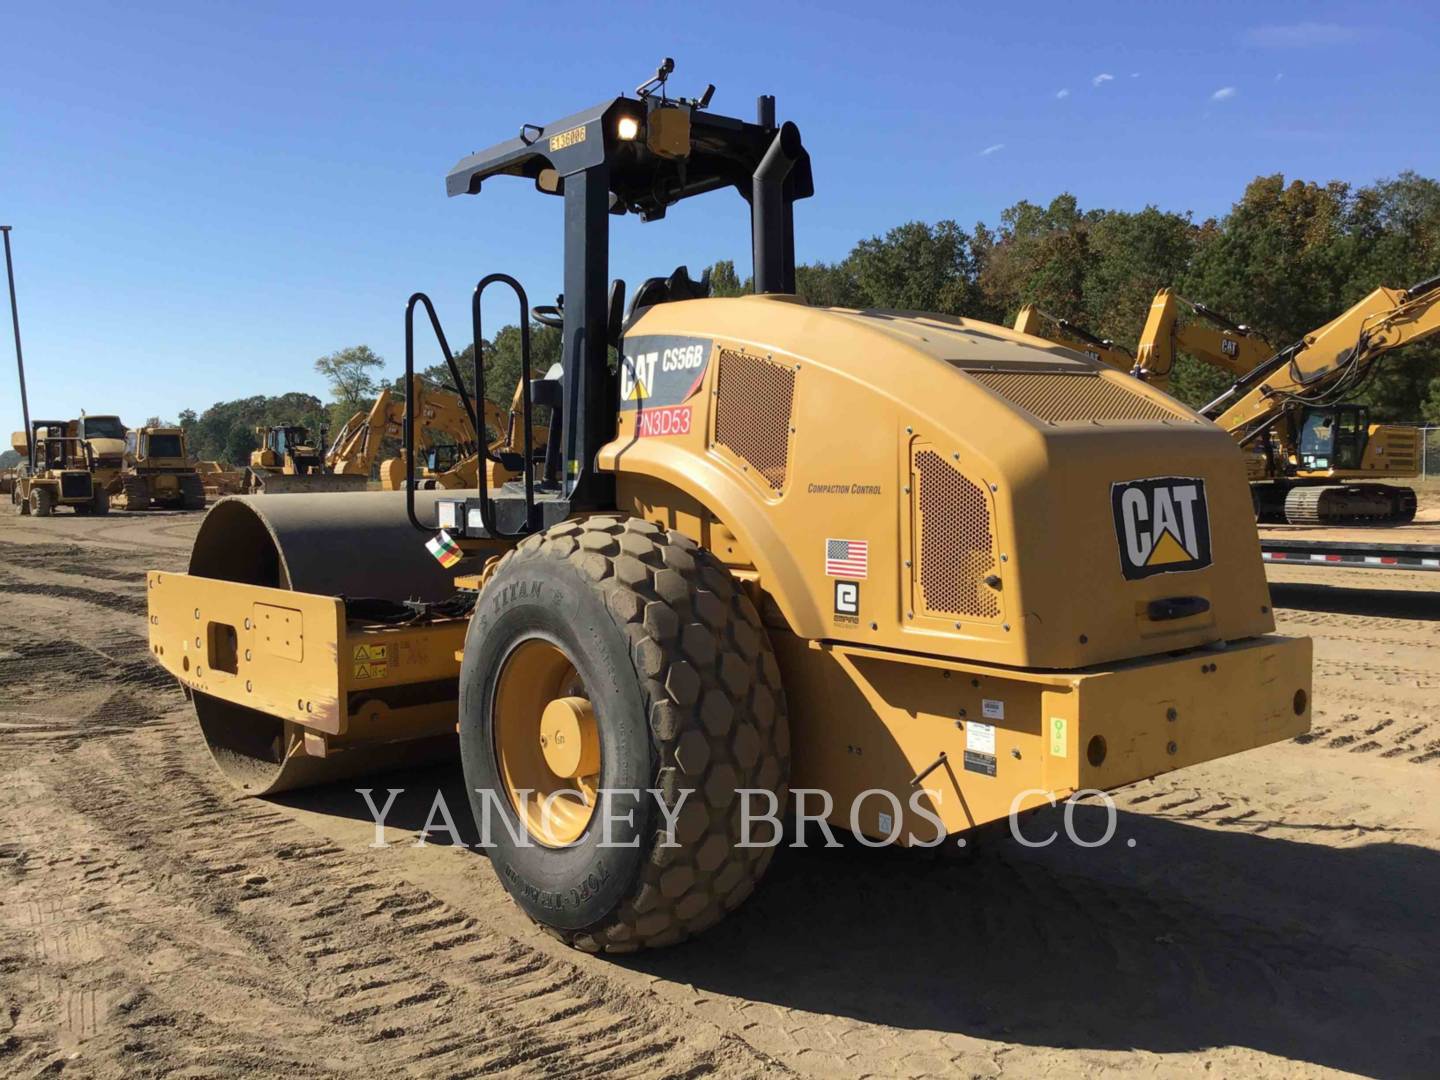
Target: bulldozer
159, 471
59, 470
903, 573
289, 460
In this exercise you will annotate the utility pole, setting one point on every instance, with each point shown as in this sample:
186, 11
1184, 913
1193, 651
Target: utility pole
15, 319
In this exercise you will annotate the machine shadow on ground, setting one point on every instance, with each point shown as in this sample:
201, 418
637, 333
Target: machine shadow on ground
1193, 938
1348, 600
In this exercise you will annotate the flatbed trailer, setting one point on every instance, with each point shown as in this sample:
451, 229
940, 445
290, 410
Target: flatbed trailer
1405, 547
1364, 556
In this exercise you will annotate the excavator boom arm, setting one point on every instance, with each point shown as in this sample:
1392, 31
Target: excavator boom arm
441, 417
1328, 363
1032, 320
1210, 337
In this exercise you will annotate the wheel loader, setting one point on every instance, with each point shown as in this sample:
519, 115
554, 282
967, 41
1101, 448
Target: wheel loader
917, 570
59, 470
159, 471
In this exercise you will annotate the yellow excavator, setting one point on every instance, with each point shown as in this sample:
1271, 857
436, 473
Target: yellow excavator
895, 572
1037, 322
1313, 455
445, 431
1206, 335
1313, 458
444, 423
444, 468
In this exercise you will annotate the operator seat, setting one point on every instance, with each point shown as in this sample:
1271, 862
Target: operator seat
678, 286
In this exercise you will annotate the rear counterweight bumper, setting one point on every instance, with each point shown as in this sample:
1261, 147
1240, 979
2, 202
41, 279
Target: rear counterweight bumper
975, 743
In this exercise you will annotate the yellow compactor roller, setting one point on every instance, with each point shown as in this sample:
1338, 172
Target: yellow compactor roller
921, 564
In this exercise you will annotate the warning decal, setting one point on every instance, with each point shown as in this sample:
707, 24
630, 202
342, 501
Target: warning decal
370, 662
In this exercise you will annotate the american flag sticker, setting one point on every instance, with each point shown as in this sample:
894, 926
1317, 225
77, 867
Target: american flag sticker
847, 558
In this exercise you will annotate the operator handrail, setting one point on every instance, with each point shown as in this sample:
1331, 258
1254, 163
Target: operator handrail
487, 516
408, 428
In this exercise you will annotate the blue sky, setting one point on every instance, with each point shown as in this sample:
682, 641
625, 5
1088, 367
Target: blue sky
206, 197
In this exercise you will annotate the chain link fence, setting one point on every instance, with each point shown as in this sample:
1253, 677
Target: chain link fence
1430, 453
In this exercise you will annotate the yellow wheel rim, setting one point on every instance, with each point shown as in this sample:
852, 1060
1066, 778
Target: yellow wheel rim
546, 743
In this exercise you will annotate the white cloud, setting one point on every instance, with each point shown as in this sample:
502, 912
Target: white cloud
1102, 78
1279, 75
1225, 93
1134, 74
1301, 35
992, 149
1063, 94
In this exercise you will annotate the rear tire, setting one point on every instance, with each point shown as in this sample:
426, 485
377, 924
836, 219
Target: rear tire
42, 501
686, 696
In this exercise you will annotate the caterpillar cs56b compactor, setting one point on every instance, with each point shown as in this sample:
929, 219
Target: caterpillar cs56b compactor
921, 564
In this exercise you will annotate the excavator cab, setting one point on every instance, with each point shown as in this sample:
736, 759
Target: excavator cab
1333, 438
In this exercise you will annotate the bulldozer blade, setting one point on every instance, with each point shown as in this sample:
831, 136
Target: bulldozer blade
282, 484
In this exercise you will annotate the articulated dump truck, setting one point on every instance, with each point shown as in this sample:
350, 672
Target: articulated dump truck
923, 564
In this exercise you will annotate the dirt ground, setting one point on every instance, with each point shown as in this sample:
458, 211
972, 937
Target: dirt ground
1275, 915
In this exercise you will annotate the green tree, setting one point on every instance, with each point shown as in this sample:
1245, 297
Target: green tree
1275, 261
213, 433
238, 445
829, 285
1131, 257
1038, 256
725, 282
916, 267
351, 374
1290, 257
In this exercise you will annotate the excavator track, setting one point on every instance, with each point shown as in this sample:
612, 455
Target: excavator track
1342, 504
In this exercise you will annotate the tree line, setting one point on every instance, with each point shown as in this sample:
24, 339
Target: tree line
1285, 259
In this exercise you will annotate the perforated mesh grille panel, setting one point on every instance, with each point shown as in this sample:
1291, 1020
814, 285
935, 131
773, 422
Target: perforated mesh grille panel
752, 414
1069, 398
957, 547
